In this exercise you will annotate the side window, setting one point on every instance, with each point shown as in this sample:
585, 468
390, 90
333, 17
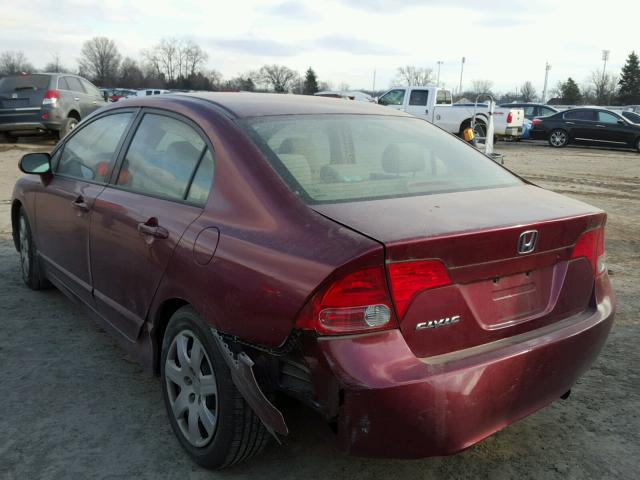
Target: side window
90, 89
74, 84
161, 158
202, 180
419, 97
443, 97
89, 154
545, 112
606, 117
62, 84
529, 111
394, 97
580, 115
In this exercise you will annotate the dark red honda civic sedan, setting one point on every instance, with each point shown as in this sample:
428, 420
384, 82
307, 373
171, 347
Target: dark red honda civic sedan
417, 295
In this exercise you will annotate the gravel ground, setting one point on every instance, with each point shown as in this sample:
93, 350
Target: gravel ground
75, 406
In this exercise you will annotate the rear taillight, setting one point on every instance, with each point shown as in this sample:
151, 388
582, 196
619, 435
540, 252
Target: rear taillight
51, 97
536, 121
410, 278
510, 117
355, 303
590, 245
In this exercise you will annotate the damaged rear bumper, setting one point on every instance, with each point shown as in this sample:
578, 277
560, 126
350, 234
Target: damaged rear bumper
398, 405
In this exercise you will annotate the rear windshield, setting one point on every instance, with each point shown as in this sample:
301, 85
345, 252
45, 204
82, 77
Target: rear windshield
24, 82
341, 158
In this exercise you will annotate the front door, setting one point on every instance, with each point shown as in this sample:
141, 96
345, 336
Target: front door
612, 132
138, 221
418, 105
81, 169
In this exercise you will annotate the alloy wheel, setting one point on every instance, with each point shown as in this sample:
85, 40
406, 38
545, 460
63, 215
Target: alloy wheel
558, 138
191, 388
25, 262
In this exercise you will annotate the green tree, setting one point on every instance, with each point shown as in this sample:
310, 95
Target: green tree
310, 82
629, 92
570, 92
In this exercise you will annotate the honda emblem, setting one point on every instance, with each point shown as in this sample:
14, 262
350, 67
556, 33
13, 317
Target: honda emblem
527, 241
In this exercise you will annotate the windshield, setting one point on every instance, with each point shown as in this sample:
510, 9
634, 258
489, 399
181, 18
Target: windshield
24, 82
340, 158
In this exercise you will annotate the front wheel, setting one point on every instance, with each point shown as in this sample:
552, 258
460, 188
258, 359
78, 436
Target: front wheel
558, 138
208, 414
29, 264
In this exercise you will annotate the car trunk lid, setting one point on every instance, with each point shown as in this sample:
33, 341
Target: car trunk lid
495, 291
23, 92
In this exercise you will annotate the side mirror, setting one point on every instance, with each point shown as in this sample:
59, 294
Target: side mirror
35, 163
621, 122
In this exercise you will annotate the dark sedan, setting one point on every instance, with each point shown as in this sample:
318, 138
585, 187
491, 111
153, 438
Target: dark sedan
589, 126
416, 294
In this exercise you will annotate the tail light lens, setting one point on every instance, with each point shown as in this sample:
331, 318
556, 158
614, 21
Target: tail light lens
536, 122
510, 117
410, 278
355, 303
51, 97
590, 245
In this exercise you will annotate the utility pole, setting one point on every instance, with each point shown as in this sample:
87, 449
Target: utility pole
439, 64
605, 57
373, 88
461, 70
547, 67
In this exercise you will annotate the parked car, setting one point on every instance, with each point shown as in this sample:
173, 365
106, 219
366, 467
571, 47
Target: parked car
434, 104
45, 103
592, 126
631, 117
416, 294
532, 110
151, 91
349, 95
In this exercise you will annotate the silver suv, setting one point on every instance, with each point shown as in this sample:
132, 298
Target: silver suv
45, 103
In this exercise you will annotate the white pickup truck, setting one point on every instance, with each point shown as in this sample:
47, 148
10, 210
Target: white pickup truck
435, 105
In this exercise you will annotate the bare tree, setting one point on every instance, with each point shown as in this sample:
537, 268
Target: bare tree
479, 87
55, 65
194, 58
173, 59
528, 92
14, 62
100, 60
411, 75
604, 87
277, 77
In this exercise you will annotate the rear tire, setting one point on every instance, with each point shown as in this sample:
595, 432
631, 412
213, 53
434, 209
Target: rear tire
29, 263
208, 414
558, 138
69, 124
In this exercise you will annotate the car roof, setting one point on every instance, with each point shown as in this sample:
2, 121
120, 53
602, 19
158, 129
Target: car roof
245, 104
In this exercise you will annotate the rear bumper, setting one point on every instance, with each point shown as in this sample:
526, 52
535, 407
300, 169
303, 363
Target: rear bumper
397, 405
513, 131
29, 120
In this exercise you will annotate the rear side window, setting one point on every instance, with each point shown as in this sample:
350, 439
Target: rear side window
419, 97
89, 154
443, 97
545, 112
162, 158
394, 97
580, 115
62, 84
341, 158
74, 84
24, 82
202, 180
90, 89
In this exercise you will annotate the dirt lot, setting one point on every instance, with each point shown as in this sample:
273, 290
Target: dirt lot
75, 406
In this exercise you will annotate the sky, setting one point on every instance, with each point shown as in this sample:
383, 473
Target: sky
505, 41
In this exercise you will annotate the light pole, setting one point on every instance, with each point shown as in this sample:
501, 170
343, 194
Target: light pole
547, 67
605, 57
438, 80
461, 70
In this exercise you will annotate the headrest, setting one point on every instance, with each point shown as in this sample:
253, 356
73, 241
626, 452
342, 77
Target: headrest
182, 151
297, 166
403, 158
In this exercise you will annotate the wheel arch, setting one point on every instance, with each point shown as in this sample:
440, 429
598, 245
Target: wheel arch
73, 113
467, 122
160, 320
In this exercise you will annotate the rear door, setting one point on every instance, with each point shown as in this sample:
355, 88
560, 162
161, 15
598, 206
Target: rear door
140, 217
581, 125
63, 206
21, 97
418, 104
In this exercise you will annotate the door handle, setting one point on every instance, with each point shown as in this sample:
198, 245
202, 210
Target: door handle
601, 126
151, 228
570, 123
427, 111
80, 204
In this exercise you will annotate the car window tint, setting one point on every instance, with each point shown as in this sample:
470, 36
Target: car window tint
89, 154
419, 97
370, 156
24, 82
606, 117
529, 110
161, 158
74, 84
62, 84
202, 180
394, 97
580, 115
545, 112
632, 117
90, 89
